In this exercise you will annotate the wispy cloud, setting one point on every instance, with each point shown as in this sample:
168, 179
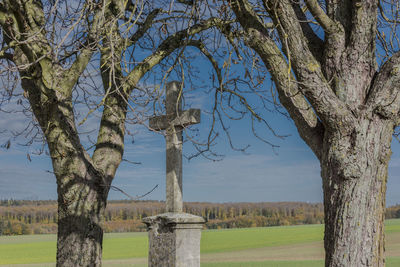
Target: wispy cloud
12, 121
22, 182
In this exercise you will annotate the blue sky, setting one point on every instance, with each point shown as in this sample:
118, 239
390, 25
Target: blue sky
290, 173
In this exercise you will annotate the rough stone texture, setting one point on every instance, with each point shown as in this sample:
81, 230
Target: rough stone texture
184, 118
174, 239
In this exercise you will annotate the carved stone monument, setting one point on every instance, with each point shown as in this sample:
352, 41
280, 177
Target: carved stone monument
174, 236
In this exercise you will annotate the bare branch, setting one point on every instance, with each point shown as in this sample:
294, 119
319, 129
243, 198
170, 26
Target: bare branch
145, 26
307, 69
330, 26
310, 129
71, 76
171, 43
132, 197
316, 44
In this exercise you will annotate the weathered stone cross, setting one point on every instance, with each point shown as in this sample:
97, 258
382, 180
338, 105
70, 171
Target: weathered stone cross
173, 122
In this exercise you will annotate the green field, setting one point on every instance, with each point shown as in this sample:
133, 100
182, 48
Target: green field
297, 246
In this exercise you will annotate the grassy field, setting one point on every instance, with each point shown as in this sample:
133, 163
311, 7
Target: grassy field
297, 246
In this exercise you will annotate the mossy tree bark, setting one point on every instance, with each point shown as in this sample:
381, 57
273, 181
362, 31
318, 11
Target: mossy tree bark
344, 108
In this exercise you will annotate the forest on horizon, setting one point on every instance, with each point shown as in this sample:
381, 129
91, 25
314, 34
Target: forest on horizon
19, 217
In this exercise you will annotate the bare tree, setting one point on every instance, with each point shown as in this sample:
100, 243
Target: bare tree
335, 66
54, 50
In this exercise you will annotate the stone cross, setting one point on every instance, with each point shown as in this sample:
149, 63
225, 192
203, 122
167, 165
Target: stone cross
173, 122
174, 236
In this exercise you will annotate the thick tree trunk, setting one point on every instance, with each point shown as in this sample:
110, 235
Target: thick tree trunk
80, 208
81, 186
354, 172
80, 236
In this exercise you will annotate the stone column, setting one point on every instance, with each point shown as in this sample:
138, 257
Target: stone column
174, 239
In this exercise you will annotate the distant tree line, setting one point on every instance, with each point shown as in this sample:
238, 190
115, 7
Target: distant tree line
393, 212
19, 217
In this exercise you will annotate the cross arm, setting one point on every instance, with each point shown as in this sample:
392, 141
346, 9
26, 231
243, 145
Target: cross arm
185, 118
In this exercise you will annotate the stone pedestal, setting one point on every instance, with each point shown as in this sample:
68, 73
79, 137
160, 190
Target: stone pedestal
174, 239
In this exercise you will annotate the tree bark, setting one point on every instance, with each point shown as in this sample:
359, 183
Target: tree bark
354, 171
82, 186
82, 194
80, 236
82, 190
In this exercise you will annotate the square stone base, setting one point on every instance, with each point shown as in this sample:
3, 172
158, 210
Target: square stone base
174, 239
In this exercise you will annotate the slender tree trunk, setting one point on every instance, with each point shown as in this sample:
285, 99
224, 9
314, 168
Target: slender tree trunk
354, 172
